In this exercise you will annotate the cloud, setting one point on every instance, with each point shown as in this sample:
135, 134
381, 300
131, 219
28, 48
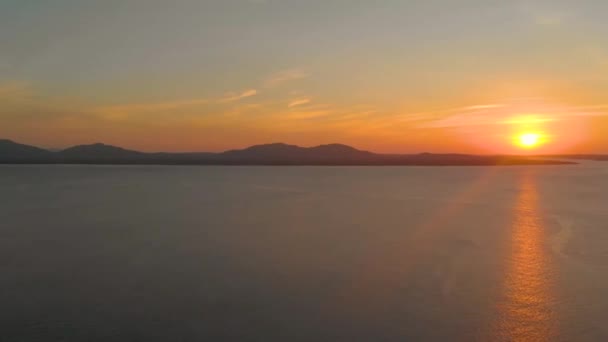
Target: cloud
285, 76
308, 114
484, 106
236, 97
329, 115
505, 114
299, 102
124, 111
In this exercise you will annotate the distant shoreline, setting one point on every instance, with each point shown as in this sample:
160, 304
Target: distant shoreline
291, 165
276, 154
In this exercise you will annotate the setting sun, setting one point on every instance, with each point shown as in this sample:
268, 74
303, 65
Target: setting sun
529, 140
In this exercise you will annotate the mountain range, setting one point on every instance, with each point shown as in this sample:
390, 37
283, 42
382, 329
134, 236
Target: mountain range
268, 154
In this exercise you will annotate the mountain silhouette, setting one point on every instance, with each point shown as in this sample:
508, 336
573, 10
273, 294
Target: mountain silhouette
292, 154
267, 154
12, 151
98, 150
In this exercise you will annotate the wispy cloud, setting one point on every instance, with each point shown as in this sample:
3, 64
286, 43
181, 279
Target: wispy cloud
483, 106
307, 114
285, 76
505, 114
235, 97
328, 115
127, 110
299, 102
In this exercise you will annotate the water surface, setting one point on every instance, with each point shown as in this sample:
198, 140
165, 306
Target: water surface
170, 253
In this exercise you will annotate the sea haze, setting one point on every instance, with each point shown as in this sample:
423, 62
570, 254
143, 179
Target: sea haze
186, 253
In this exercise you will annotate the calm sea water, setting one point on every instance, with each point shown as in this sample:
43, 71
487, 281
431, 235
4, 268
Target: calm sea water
98, 253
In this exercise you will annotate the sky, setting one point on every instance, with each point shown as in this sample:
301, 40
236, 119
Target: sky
395, 76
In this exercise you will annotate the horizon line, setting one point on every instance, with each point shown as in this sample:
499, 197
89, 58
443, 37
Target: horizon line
55, 150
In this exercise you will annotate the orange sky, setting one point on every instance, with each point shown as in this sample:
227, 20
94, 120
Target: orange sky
469, 76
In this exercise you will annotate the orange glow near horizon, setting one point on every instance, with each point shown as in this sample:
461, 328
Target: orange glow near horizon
539, 127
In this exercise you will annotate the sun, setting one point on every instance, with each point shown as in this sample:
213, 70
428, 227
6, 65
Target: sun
529, 140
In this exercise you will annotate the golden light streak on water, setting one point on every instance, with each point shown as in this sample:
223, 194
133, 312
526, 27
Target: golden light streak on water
525, 311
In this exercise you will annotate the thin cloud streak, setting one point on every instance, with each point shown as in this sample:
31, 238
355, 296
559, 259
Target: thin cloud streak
299, 102
285, 76
124, 111
236, 97
502, 114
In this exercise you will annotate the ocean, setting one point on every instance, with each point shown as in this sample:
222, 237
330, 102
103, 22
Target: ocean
212, 253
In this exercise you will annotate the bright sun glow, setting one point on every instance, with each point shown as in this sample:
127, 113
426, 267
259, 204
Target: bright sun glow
529, 140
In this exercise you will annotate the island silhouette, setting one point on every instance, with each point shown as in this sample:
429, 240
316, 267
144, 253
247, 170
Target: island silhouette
267, 154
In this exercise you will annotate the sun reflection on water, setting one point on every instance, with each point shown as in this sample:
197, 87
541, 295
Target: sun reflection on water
525, 311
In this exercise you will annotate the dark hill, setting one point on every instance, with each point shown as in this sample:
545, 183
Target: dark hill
269, 154
10, 150
279, 153
339, 151
276, 150
99, 152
